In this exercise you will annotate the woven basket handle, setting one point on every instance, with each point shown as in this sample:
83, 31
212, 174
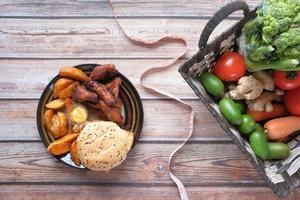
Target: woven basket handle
218, 17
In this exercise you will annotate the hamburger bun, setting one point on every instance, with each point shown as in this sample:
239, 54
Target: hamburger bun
103, 145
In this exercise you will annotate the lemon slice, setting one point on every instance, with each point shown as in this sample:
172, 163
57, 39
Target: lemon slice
78, 114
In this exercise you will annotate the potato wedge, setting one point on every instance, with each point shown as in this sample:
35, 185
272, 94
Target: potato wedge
61, 84
63, 123
55, 127
67, 92
62, 145
74, 73
56, 104
47, 118
74, 153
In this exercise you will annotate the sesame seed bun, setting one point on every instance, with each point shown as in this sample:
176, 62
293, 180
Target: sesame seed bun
103, 145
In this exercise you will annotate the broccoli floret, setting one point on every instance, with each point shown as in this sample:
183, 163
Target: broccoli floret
286, 40
253, 27
292, 52
274, 35
278, 16
254, 42
261, 53
297, 19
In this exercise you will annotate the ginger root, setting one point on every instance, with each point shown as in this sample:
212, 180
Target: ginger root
266, 80
248, 88
279, 92
263, 102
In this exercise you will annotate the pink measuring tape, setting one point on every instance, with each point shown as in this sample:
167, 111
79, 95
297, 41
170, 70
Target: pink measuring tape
162, 67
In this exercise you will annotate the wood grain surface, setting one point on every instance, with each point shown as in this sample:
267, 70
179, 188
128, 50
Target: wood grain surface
38, 37
92, 38
65, 192
196, 164
42, 71
125, 8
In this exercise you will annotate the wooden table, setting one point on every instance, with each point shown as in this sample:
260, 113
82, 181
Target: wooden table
38, 37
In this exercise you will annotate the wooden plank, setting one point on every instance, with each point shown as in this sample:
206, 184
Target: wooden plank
96, 38
205, 165
49, 192
26, 78
164, 121
100, 8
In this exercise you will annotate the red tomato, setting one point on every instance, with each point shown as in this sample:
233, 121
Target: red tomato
230, 67
292, 101
287, 80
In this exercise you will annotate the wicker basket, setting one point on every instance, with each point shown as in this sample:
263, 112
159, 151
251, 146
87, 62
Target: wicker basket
282, 176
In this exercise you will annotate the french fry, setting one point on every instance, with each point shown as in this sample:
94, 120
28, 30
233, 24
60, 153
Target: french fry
63, 123
47, 118
61, 84
74, 153
62, 145
67, 92
56, 104
74, 73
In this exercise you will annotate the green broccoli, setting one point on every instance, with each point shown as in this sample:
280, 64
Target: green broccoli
274, 35
286, 39
261, 53
253, 27
297, 19
292, 52
278, 17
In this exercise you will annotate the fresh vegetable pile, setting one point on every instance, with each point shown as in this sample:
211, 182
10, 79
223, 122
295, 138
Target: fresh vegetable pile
258, 89
263, 105
272, 39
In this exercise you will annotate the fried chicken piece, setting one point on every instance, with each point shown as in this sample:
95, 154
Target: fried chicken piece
95, 111
101, 91
114, 87
118, 103
103, 72
111, 113
80, 94
78, 127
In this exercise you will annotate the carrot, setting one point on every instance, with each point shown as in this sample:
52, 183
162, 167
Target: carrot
69, 108
282, 127
278, 111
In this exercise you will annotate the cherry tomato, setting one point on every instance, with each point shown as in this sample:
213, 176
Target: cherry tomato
292, 101
287, 80
230, 67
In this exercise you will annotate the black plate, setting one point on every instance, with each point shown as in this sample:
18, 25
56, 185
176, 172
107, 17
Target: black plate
132, 110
